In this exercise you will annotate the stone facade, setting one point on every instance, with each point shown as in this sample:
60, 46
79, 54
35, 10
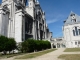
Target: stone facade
22, 19
71, 30
57, 42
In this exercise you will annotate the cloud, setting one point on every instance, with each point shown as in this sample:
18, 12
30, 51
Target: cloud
55, 18
51, 21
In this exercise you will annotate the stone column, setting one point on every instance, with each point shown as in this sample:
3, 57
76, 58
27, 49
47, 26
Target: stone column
23, 27
33, 29
11, 28
52, 45
56, 46
0, 20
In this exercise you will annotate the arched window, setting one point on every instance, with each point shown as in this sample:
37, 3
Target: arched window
73, 32
76, 31
79, 31
74, 20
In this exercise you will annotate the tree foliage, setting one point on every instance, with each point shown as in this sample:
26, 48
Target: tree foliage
7, 44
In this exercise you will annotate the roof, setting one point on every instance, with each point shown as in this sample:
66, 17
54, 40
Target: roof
69, 19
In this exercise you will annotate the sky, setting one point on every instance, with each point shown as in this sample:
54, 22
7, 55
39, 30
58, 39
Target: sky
57, 11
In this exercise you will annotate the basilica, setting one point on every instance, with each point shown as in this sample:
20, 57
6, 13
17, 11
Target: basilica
23, 19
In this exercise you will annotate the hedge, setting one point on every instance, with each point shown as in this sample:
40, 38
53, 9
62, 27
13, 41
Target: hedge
32, 45
7, 44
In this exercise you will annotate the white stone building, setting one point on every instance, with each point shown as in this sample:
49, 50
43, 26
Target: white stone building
23, 19
57, 42
71, 30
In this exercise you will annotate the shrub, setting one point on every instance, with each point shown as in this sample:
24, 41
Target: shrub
35, 45
11, 44
31, 45
7, 44
3, 44
24, 47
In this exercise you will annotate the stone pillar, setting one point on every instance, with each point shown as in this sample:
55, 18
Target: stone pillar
11, 28
18, 26
23, 27
0, 19
52, 45
33, 29
56, 46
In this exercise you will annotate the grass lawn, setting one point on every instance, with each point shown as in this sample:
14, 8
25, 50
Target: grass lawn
10, 55
70, 57
35, 54
72, 50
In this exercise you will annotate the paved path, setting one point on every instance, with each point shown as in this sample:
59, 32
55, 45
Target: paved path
49, 56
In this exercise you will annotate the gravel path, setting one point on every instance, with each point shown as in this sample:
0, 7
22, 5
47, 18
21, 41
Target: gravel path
49, 56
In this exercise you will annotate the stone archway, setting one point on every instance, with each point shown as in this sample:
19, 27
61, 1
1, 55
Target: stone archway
58, 45
53, 45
